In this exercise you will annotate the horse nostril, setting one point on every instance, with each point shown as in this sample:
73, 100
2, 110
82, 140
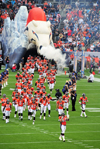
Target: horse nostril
40, 47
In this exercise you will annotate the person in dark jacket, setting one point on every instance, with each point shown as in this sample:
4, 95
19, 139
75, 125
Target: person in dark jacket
58, 94
73, 99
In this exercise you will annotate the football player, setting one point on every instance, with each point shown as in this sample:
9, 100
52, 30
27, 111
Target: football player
63, 118
3, 101
7, 108
15, 99
43, 102
33, 107
66, 102
82, 102
49, 98
59, 106
21, 103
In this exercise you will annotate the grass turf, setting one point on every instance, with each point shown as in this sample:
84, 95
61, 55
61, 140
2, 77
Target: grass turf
80, 133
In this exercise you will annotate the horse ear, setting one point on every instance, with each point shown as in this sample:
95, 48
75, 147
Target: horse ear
34, 23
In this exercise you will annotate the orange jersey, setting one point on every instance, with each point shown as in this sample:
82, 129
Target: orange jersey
60, 104
24, 79
30, 90
41, 88
43, 94
25, 86
18, 76
30, 77
8, 106
63, 120
20, 102
44, 102
66, 99
40, 72
42, 80
50, 98
24, 94
13, 93
15, 100
3, 101
83, 100
38, 84
38, 94
29, 100
33, 105
19, 85
52, 80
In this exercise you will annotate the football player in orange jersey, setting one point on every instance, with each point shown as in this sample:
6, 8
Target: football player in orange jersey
60, 105
63, 118
30, 89
40, 71
42, 79
21, 103
33, 107
66, 102
25, 95
3, 101
29, 101
42, 87
30, 77
38, 83
15, 92
43, 92
18, 76
49, 98
14, 101
38, 96
82, 102
7, 108
24, 78
51, 83
43, 102
19, 86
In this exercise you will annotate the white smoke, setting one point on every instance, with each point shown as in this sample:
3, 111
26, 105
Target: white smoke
51, 53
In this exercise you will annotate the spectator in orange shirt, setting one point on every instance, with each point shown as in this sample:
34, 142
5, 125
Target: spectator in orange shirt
88, 61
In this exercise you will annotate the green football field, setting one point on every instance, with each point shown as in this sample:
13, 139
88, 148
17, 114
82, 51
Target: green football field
80, 133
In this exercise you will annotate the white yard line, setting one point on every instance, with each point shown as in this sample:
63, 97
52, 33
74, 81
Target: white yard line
4, 134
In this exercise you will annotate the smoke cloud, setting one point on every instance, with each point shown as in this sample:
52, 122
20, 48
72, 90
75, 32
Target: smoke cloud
52, 53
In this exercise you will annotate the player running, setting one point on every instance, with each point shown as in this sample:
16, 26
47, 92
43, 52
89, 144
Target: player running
82, 102
66, 102
7, 108
43, 102
63, 118
33, 107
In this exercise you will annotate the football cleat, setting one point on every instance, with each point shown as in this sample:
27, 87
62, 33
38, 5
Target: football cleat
40, 117
48, 115
86, 116
60, 138
81, 115
44, 118
14, 115
33, 123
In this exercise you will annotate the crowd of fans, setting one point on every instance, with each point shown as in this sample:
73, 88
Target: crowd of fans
81, 24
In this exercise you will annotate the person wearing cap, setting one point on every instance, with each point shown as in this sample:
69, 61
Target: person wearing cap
73, 99
58, 94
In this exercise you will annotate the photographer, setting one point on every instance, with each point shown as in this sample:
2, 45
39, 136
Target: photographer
73, 99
